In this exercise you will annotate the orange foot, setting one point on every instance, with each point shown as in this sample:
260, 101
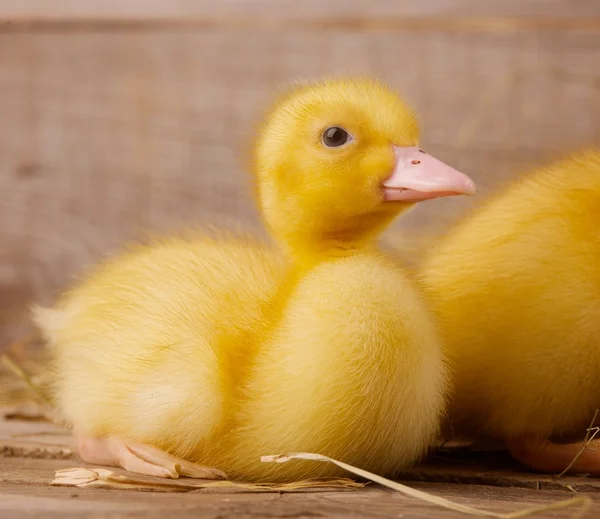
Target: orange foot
139, 458
542, 455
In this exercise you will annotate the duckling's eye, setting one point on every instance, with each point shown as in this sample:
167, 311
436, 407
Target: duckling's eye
335, 137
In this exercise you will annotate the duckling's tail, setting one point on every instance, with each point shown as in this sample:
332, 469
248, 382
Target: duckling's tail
48, 321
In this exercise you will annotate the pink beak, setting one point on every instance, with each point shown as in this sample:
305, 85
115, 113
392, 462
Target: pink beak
418, 176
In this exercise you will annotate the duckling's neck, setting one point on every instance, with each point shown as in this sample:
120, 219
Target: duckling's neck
306, 252
320, 239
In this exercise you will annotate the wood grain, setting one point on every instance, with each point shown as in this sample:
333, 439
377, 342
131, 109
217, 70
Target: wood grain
23, 493
108, 133
333, 9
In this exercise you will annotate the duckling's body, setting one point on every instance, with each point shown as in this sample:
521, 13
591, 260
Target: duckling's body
219, 352
197, 361
517, 285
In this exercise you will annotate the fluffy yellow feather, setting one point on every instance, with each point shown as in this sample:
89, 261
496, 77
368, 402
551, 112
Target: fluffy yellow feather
517, 285
218, 351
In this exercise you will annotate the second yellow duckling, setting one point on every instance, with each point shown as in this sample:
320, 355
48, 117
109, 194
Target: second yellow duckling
517, 286
171, 355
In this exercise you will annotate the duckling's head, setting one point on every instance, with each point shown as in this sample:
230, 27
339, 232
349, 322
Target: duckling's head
336, 160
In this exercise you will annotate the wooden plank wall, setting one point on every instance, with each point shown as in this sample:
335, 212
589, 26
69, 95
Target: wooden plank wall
162, 10
108, 129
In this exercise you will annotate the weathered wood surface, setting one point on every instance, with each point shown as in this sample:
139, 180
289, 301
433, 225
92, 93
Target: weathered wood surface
24, 486
186, 9
106, 132
34, 500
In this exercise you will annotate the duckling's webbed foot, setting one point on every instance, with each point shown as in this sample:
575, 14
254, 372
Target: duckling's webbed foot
140, 458
542, 455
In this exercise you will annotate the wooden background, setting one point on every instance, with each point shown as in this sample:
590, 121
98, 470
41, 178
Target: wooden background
122, 116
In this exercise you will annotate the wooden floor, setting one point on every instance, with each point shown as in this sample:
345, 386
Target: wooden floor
31, 451
25, 492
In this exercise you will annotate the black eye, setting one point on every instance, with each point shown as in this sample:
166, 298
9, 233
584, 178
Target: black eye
335, 136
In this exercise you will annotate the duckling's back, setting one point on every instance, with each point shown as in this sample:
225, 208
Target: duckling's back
517, 286
184, 304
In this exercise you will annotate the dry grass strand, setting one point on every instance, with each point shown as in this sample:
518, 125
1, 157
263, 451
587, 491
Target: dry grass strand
589, 436
585, 502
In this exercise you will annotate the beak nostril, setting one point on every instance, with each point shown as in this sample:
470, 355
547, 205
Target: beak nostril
415, 162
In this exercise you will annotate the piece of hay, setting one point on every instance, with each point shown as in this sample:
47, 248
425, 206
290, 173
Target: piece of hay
104, 478
36, 391
589, 436
585, 502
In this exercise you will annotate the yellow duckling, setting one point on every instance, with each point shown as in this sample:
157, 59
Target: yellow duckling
517, 285
194, 353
